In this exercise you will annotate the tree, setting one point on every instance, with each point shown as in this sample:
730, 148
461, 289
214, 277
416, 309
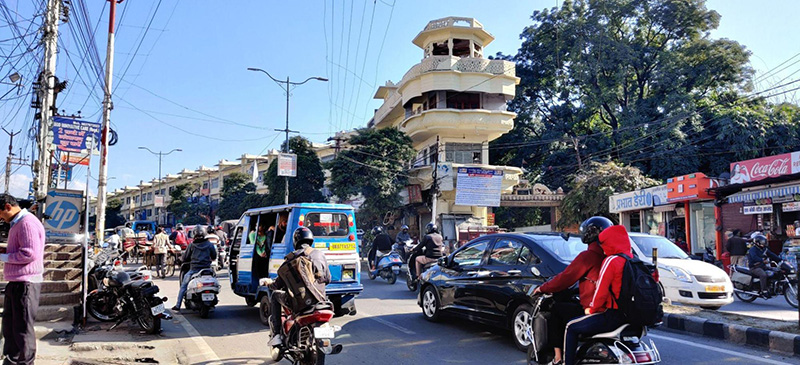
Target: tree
306, 187
617, 80
592, 187
187, 205
511, 217
235, 189
376, 167
114, 216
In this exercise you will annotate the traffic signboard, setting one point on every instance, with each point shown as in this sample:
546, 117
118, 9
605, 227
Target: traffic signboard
287, 164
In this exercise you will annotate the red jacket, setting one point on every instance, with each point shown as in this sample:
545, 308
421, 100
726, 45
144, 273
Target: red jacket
614, 240
586, 268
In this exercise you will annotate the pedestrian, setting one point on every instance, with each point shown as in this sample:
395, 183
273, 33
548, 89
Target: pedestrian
24, 265
160, 243
737, 247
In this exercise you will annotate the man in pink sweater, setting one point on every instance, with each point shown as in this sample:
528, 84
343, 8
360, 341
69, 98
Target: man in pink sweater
23, 268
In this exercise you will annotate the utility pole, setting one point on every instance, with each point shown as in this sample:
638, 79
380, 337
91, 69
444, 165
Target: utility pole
10, 157
286, 88
47, 85
102, 180
160, 155
338, 146
435, 186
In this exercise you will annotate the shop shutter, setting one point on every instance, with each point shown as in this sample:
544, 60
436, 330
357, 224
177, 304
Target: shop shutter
733, 218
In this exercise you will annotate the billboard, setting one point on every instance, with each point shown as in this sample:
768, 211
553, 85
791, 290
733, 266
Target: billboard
73, 135
765, 167
478, 187
64, 209
287, 164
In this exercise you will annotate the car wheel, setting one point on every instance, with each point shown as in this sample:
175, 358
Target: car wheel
430, 304
521, 322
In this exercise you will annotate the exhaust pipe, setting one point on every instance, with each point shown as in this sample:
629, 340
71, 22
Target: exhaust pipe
337, 348
747, 292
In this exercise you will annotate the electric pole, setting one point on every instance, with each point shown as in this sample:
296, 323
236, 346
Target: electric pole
338, 146
160, 155
102, 180
435, 186
47, 81
10, 157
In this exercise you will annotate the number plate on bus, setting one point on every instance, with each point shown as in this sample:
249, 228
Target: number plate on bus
342, 246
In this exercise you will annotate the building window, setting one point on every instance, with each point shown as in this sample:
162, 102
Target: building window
163, 191
457, 100
466, 153
150, 196
171, 189
136, 199
205, 184
441, 49
128, 200
215, 183
431, 102
461, 48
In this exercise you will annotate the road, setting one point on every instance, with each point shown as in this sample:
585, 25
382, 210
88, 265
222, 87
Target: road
389, 328
775, 308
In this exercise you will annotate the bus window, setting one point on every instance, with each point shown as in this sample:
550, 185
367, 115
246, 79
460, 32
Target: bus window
328, 224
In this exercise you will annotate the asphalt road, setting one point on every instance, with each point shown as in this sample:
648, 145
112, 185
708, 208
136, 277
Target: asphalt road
774, 308
389, 328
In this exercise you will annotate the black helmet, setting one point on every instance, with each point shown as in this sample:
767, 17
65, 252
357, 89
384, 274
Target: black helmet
210, 229
760, 240
179, 227
199, 232
377, 230
303, 235
591, 228
431, 228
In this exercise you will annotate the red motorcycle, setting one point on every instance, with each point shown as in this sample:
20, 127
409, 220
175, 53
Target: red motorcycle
308, 336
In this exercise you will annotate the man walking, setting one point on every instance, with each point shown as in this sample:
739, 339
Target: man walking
737, 247
23, 268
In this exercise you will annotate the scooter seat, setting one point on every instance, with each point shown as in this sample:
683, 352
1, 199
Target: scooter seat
742, 269
623, 331
137, 283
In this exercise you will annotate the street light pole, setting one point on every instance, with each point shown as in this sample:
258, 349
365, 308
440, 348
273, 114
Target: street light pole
160, 155
286, 130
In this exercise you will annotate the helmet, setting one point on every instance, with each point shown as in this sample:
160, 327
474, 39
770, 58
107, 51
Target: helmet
302, 235
377, 230
591, 228
404, 228
431, 228
199, 232
210, 229
760, 240
179, 226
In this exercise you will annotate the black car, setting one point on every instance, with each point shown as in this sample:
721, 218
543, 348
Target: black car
489, 280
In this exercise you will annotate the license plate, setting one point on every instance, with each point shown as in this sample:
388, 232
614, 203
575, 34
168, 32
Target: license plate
342, 246
207, 297
157, 309
324, 332
715, 288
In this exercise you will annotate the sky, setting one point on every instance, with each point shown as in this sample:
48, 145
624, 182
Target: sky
183, 81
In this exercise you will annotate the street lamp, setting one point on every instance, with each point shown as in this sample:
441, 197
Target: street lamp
160, 154
285, 86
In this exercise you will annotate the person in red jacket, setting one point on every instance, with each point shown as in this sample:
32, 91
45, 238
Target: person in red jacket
585, 270
603, 315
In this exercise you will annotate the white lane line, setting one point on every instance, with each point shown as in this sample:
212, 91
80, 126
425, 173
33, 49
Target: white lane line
389, 324
206, 353
712, 348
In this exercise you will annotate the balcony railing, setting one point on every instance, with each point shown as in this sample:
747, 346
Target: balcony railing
465, 64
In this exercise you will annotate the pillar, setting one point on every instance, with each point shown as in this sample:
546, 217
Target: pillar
687, 218
718, 229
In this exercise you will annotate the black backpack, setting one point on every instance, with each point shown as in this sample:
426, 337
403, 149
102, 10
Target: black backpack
640, 296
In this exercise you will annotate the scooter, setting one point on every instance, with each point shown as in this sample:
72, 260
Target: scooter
411, 275
623, 345
308, 337
202, 291
388, 267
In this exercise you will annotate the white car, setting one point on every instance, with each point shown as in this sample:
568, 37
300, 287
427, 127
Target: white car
684, 280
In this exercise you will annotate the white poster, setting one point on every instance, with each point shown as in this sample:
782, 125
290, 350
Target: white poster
479, 187
287, 164
757, 209
445, 177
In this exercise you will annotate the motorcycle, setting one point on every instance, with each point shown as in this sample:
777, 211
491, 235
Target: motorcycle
388, 267
781, 280
308, 337
222, 255
709, 257
411, 276
621, 346
202, 291
119, 298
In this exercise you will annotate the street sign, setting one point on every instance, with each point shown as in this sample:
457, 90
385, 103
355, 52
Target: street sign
287, 164
75, 159
64, 212
478, 187
158, 201
71, 135
66, 172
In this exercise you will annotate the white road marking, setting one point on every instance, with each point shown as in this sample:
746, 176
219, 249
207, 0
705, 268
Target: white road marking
712, 348
389, 324
206, 353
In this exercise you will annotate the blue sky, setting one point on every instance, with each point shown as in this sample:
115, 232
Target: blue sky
187, 86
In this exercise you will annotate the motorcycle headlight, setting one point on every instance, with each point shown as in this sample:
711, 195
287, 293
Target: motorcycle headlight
680, 274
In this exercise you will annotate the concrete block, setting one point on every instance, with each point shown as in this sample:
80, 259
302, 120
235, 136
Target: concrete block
737, 333
782, 342
694, 325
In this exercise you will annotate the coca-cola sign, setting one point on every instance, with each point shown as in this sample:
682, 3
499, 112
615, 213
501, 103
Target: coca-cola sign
765, 167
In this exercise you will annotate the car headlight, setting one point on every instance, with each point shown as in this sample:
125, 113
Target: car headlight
680, 274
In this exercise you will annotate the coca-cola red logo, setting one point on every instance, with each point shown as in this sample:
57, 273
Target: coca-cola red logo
777, 167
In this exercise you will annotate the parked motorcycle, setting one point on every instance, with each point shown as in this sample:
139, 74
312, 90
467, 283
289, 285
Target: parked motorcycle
621, 346
709, 257
388, 267
120, 298
202, 291
308, 337
781, 280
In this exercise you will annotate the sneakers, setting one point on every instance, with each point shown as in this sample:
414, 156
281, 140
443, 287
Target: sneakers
176, 309
276, 340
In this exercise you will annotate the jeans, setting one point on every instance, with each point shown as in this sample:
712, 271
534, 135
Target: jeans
184, 287
762, 277
277, 300
587, 326
20, 306
563, 313
160, 264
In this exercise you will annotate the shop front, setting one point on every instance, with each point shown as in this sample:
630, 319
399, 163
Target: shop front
642, 210
696, 217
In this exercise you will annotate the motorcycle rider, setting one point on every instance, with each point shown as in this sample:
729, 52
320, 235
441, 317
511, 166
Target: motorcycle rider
400, 241
431, 245
178, 237
603, 314
758, 259
381, 245
201, 252
584, 269
303, 239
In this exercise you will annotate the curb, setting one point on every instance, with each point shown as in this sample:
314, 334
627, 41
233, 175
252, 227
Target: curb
770, 340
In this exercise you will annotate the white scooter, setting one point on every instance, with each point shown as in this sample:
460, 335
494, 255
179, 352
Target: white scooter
202, 291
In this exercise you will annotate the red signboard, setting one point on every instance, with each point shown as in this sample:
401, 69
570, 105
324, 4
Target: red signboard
414, 194
765, 167
690, 187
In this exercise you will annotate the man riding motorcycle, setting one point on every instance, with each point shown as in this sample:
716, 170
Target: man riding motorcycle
584, 269
431, 245
303, 239
400, 240
201, 252
758, 258
381, 245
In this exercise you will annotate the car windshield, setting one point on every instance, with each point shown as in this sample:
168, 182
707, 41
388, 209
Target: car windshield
565, 250
666, 249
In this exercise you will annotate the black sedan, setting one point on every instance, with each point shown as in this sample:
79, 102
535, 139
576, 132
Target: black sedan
489, 280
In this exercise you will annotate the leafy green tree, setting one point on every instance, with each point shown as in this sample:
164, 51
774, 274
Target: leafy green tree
114, 216
306, 187
186, 205
236, 187
376, 167
511, 217
592, 187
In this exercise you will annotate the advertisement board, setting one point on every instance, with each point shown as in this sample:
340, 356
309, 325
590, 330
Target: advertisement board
64, 209
637, 200
765, 167
445, 177
75, 159
478, 187
690, 187
158, 201
791, 207
71, 135
287, 164
757, 209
